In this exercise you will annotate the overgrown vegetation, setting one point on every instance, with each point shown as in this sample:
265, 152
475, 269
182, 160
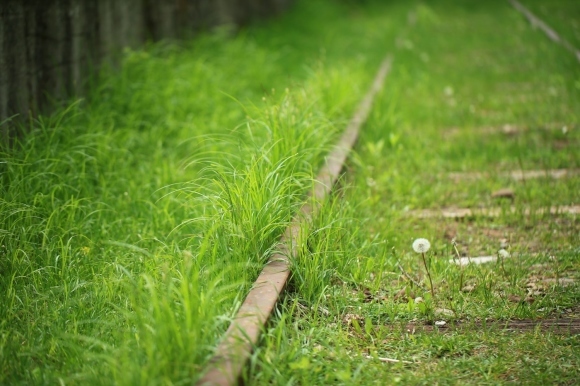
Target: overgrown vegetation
133, 223
475, 96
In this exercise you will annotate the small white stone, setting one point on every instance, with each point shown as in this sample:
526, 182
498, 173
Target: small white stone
440, 323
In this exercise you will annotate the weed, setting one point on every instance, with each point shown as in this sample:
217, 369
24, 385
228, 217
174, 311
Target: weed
421, 246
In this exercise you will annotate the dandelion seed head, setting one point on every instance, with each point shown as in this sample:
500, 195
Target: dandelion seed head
421, 245
503, 253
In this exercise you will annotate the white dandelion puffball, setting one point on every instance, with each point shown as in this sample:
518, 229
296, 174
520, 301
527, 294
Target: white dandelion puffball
421, 245
503, 253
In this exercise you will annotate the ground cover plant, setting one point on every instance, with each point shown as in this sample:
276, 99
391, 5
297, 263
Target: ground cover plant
134, 222
474, 91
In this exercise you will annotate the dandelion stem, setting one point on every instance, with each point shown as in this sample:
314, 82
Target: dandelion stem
428, 275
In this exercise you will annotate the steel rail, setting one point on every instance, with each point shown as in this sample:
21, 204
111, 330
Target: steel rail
550, 33
236, 347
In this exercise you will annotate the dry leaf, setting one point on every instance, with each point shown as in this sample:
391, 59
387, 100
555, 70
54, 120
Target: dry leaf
504, 193
468, 288
443, 312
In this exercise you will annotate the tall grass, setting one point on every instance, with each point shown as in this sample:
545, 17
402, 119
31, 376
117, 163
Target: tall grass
104, 280
134, 221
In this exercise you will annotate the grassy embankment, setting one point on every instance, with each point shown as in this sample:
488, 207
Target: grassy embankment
473, 89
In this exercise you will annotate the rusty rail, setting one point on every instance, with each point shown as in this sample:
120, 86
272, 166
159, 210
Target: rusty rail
236, 347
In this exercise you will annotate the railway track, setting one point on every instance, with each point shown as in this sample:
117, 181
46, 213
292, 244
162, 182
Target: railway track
233, 352
536, 22
236, 347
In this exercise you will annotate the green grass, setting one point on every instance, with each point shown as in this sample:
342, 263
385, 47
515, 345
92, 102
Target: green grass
462, 69
133, 223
